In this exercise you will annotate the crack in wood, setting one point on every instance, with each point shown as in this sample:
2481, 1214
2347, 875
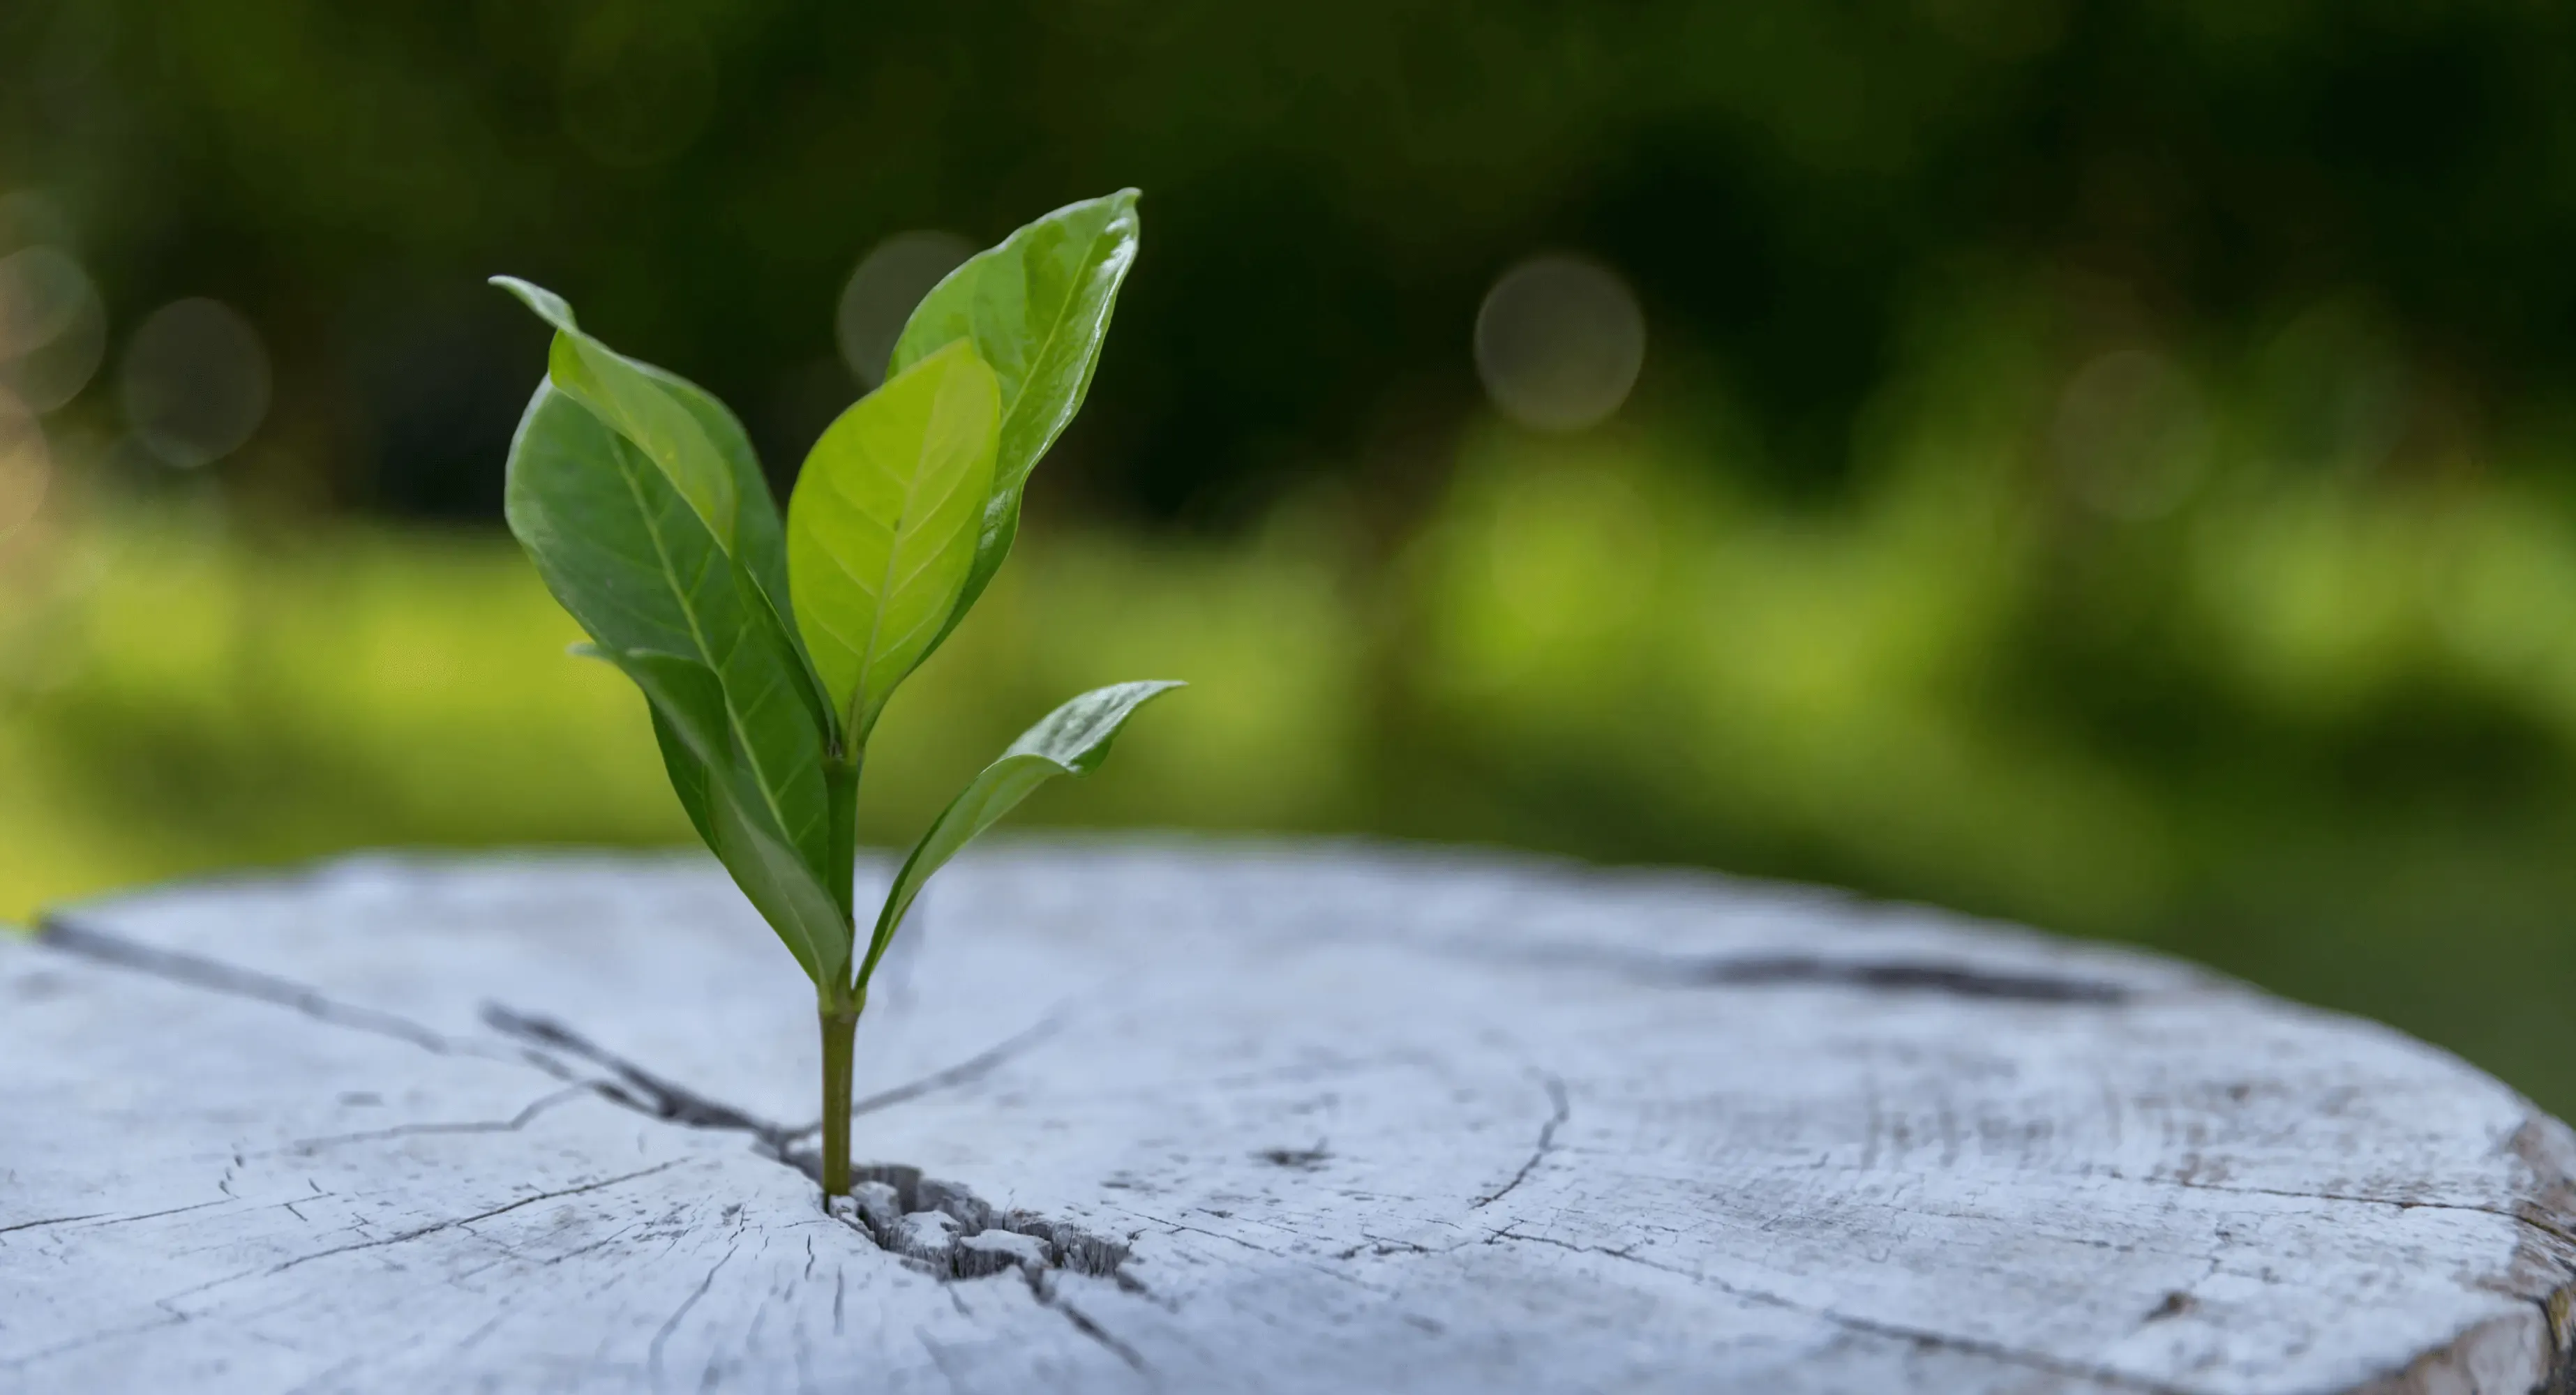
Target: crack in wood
1043, 1289
653, 1354
2562, 1235
1899, 976
932, 1223
661, 1098
116, 1220
1068, 1246
512, 1124
1944, 977
49, 1220
1313, 1263
651, 1094
57, 931
542, 1040
635, 1087
1546, 1144
435, 1227
970, 1069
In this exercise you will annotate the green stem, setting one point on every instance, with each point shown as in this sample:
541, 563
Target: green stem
840, 1025
840, 1009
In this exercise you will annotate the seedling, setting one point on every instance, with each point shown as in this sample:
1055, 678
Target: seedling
766, 653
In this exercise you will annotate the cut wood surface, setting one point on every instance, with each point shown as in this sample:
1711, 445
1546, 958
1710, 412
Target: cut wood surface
1169, 1115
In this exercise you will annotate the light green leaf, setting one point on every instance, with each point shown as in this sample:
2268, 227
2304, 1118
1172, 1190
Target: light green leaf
1037, 308
1072, 740
636, 566
881, 529
690, 713
759, 532
636, 403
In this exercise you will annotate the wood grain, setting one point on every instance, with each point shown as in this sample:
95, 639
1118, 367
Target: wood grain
1219, 1117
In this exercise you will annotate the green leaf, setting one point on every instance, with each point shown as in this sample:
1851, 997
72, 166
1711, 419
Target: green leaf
759, 532
881, 529
690, 713
688, 777
637, 567
637, 403
1037, 308
1072, 740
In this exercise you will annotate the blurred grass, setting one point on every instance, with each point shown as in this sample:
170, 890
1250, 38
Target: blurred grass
184, 698
2315, 728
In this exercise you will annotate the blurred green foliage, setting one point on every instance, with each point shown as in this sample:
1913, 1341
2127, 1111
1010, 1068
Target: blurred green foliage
1331, 186
2112, 466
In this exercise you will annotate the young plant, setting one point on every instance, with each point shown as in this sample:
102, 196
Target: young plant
766, 652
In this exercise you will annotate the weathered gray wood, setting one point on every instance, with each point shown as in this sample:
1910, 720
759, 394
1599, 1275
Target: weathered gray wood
1363, 1119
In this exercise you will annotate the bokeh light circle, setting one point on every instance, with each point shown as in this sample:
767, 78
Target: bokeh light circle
53, 328
1559, 343
41, 289
882, 293
2130, 434
196, 382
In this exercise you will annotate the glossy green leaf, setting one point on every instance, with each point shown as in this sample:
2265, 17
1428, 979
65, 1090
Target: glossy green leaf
688, 777
1072, 740
881, 530
1037, 308
759, 530
636, 566
637, 404
690, 713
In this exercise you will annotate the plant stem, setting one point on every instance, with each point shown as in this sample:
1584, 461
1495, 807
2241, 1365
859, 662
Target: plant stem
840, 1025
838, 1006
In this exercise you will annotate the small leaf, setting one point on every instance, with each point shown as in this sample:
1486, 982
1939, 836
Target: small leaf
1072, 740
631, 399
881, 528
1037, 308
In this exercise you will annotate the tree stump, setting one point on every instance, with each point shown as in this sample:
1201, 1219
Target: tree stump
1215, 1117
